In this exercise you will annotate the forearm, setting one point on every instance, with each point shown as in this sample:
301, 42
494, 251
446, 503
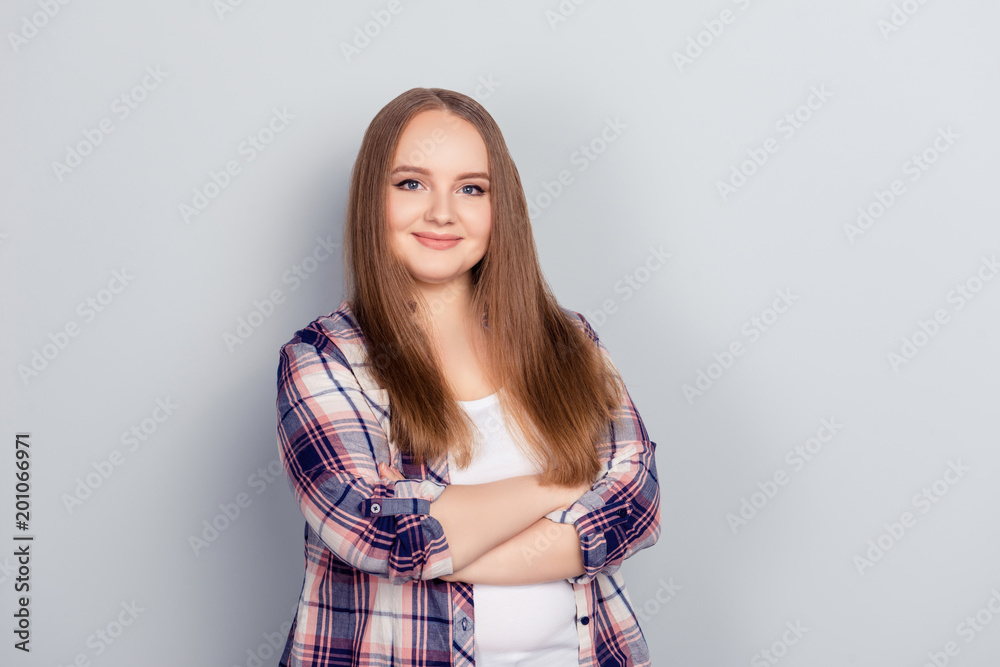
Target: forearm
478, 517
545, 551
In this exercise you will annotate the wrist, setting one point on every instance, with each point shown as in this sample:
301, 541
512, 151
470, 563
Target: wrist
557, 496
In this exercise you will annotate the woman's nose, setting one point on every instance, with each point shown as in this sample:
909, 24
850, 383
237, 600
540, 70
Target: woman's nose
441, 208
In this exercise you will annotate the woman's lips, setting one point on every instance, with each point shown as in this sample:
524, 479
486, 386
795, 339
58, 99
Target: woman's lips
436, 243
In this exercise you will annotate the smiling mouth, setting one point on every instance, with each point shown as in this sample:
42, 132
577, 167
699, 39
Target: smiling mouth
435, 237
438, 242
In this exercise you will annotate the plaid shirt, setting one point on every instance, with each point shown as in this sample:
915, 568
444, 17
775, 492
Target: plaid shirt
371, 596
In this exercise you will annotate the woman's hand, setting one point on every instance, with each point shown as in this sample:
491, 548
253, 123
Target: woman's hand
573, 494
390, 473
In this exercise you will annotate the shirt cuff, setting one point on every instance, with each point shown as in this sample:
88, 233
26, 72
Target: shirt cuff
409, 496
601, 526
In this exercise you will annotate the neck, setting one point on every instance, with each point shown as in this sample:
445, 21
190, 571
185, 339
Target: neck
447, 301
449, 309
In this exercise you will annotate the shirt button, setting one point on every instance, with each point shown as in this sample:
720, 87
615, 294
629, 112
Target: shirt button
622, 512
465, 624
584, 620
376, 508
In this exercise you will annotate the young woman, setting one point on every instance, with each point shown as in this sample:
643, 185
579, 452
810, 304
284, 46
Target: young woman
470, 466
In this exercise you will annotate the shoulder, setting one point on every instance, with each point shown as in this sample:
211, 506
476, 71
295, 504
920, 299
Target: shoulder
336, 333
580, 321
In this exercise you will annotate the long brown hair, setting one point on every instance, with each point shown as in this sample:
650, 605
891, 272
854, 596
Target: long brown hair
557, 390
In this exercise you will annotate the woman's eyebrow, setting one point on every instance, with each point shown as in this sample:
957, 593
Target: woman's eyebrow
473, 174
425, 172
406, 167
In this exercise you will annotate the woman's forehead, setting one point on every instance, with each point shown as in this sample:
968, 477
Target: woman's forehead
434, 141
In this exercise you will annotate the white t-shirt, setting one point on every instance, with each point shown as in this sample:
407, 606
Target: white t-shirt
532, 625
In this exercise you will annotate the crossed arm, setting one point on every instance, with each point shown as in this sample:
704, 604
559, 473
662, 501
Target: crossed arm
543, 551
602, 525
512, 531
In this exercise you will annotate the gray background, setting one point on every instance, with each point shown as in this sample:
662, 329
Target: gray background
708, 594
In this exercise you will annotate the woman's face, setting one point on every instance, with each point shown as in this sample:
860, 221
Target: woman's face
438, 209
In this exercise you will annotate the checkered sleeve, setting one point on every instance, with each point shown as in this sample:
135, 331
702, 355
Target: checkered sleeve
620, 514
329, 439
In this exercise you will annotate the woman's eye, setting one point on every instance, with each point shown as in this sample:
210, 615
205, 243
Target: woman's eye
470, 189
